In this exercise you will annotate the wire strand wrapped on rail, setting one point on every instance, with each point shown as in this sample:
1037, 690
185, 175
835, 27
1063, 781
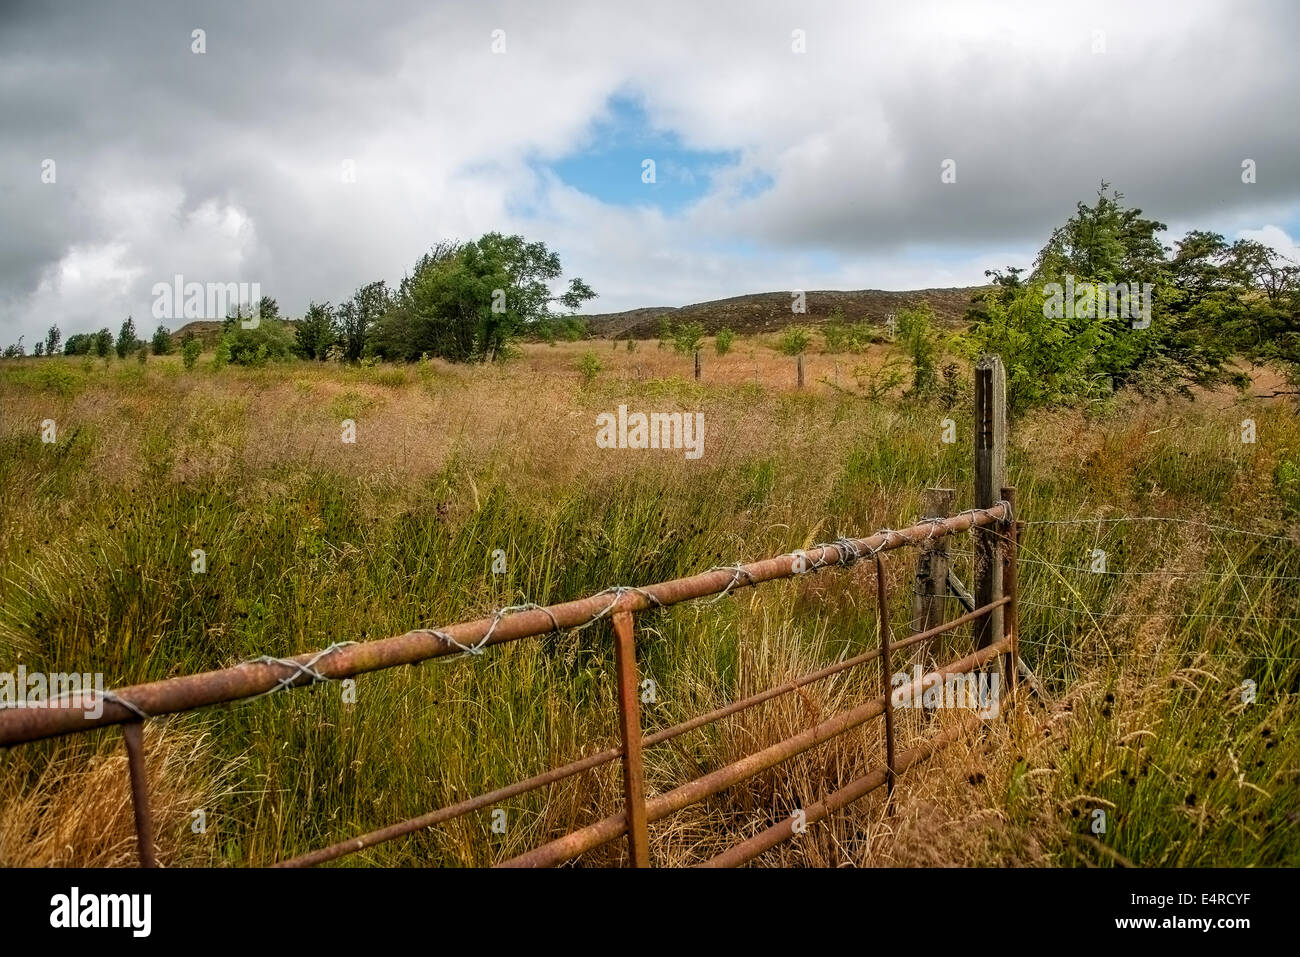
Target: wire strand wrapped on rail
252, 679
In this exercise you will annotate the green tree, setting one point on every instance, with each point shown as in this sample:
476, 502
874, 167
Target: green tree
162, 341
467, 302
916, 332
79, 344
687, 337
589, 366
725, 340
190, 352
103, 343
126, 337
357, 317
795, 340
316, 331
1205, 302
52, 340
253, 339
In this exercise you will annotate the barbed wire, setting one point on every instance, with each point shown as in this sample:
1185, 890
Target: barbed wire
1175, 572
1172, 572
1080, 610
307, 668
1222, 656
1163, 518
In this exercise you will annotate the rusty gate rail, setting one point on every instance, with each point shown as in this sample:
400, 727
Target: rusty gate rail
133, 706
251, 679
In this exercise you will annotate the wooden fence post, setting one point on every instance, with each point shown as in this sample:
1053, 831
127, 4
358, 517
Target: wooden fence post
931, 586
798, 364
697, 365
990, 463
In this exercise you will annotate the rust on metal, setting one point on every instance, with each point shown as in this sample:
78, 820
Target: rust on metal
461, 808
661, 805
784, 830
1010, 587
251, 679
134, 737
882, 610
629, 727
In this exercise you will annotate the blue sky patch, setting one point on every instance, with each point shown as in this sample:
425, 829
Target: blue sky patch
612, 162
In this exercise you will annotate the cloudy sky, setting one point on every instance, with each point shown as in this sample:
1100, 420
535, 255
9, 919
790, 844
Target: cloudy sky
774, 168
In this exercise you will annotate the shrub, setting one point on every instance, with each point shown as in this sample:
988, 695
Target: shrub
726, 338
795, 340
590, 367
916, 329
190, 353
255, 347
687, 337
125, 337
162, 342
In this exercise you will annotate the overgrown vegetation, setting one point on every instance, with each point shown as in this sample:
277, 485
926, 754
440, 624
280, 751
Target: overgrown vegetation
1209, 300
311, 541
794, 340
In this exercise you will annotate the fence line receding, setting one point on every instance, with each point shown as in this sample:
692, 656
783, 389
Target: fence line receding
996, 632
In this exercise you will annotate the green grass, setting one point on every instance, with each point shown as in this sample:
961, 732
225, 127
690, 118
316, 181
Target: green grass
306, 546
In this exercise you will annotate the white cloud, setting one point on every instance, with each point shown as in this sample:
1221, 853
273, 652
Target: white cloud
226, 165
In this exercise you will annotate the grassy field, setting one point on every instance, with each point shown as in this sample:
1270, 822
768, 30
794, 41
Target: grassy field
310, 540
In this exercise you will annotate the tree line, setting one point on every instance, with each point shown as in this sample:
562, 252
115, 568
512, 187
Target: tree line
461, 301
1210, 301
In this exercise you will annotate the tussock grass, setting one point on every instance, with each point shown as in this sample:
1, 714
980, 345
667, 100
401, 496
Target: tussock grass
309, 541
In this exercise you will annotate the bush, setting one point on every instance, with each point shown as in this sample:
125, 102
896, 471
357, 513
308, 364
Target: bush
687, 337
726, 338
631, 345
254, 347
590, 367
125, 337
162, 342
916, 329
795, 340
190, 352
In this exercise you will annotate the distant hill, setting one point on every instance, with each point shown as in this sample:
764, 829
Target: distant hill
753, 313
208, 331
770, 311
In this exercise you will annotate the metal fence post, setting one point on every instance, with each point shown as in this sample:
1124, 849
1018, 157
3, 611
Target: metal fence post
886, 670
931, 585
1010, 587
990, 463
629, 726
133, 735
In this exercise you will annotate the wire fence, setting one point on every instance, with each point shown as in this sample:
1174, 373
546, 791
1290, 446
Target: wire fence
1079, 576
266, 675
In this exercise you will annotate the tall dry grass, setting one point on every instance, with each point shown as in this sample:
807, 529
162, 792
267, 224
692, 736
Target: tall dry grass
311, 541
